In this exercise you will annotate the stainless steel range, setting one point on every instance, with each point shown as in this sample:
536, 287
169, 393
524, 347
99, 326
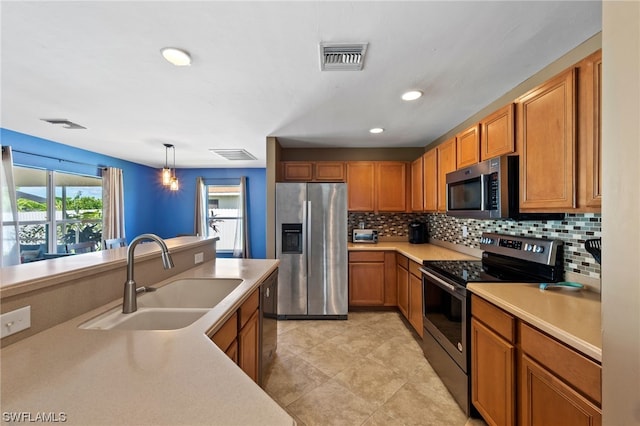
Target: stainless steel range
447, 309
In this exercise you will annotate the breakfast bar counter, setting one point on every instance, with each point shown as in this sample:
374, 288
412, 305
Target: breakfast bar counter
103, 377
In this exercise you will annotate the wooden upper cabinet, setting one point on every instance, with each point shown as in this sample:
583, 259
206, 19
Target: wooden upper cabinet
329, 171
547, 145
468, 147
360, 185
297, 171
377, 186
446, 164
590, 144
391, 186
310, 171
430, 180
497, 135
417, 182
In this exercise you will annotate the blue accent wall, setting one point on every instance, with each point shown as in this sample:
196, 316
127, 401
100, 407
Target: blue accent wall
176, 210
149, 207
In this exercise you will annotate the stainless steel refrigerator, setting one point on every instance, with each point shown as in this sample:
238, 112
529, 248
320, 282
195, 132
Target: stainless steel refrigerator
311, 243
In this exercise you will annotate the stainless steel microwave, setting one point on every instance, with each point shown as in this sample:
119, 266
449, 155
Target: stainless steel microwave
489, 190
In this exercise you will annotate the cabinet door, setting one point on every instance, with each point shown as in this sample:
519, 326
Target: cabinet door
590, 119
417, 191
415, 303
547, 400
390, 287
446, 164
391, 186
360, 185
493, 376
402, 275
329, 171
496, 133
430, 180
468, 147
366, 283
546, 142
248, 347
297, 171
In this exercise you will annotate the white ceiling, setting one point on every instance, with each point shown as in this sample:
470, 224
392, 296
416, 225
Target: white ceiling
256, 72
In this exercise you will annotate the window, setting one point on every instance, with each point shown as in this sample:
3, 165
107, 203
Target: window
224, 216
56, 209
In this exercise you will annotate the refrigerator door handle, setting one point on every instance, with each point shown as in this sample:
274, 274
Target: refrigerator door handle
308, 219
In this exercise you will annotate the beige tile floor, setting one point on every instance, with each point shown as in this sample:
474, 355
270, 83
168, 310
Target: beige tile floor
368, 370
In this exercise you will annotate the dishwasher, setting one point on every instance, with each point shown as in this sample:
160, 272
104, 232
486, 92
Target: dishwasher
268, 324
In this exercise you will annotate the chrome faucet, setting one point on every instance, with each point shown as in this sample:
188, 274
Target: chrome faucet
129, 302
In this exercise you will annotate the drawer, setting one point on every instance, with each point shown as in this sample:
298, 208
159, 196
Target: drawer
580, 372
227, 333
366, 256
414, 268
402, 261
494, 317
248, 308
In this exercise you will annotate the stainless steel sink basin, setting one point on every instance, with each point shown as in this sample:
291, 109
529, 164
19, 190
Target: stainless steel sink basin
145, 319
190, 293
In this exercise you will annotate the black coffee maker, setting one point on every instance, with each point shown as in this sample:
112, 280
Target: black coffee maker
417, 232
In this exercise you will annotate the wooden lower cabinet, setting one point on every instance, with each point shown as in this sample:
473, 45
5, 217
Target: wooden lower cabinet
366, 278
493, 378
415, 303
248, 345
239, 336
402, 277
555, 384
547, 400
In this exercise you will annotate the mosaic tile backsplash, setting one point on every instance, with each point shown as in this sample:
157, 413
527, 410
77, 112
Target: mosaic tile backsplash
573, 231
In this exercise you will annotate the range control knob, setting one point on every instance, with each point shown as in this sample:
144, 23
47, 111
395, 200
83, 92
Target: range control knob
538, 249
486, 240
527, 247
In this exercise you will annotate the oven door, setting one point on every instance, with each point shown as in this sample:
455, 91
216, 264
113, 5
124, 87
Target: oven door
446, 313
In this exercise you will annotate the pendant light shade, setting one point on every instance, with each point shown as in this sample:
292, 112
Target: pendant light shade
174, 185
168, 174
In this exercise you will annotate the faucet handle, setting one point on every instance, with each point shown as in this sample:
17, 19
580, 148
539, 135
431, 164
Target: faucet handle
144, 289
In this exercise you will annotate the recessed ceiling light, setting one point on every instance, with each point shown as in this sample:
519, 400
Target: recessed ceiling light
376, 130
177, 57
412, 95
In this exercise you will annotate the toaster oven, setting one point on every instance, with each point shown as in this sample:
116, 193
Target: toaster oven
365, 236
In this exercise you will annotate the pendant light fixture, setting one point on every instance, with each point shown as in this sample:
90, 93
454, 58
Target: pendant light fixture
174, 185
166, 171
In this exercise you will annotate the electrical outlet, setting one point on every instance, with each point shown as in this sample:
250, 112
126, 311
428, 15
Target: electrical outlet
198, 257
465, 231
14, 321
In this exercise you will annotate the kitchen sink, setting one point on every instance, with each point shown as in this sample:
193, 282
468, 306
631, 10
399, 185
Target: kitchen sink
190, 293
173, 306
145, 319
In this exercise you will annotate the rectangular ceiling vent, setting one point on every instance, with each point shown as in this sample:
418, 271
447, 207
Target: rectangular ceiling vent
66, 124
234, 154
342, 56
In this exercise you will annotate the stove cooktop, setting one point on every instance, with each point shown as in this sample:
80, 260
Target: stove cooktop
469, 271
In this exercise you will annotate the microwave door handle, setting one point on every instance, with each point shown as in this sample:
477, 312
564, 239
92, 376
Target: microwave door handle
483, 192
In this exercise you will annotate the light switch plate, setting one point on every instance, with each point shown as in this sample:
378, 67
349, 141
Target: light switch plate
14, 321
198, 257
465, 231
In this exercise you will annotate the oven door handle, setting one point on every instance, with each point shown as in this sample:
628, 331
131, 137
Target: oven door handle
438, 280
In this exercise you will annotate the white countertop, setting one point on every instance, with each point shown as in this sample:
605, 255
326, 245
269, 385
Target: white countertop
573, 317
415, 252
99, 377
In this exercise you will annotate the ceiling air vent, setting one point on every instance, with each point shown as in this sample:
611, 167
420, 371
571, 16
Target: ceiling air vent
234, 154
342, 56
64, 122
